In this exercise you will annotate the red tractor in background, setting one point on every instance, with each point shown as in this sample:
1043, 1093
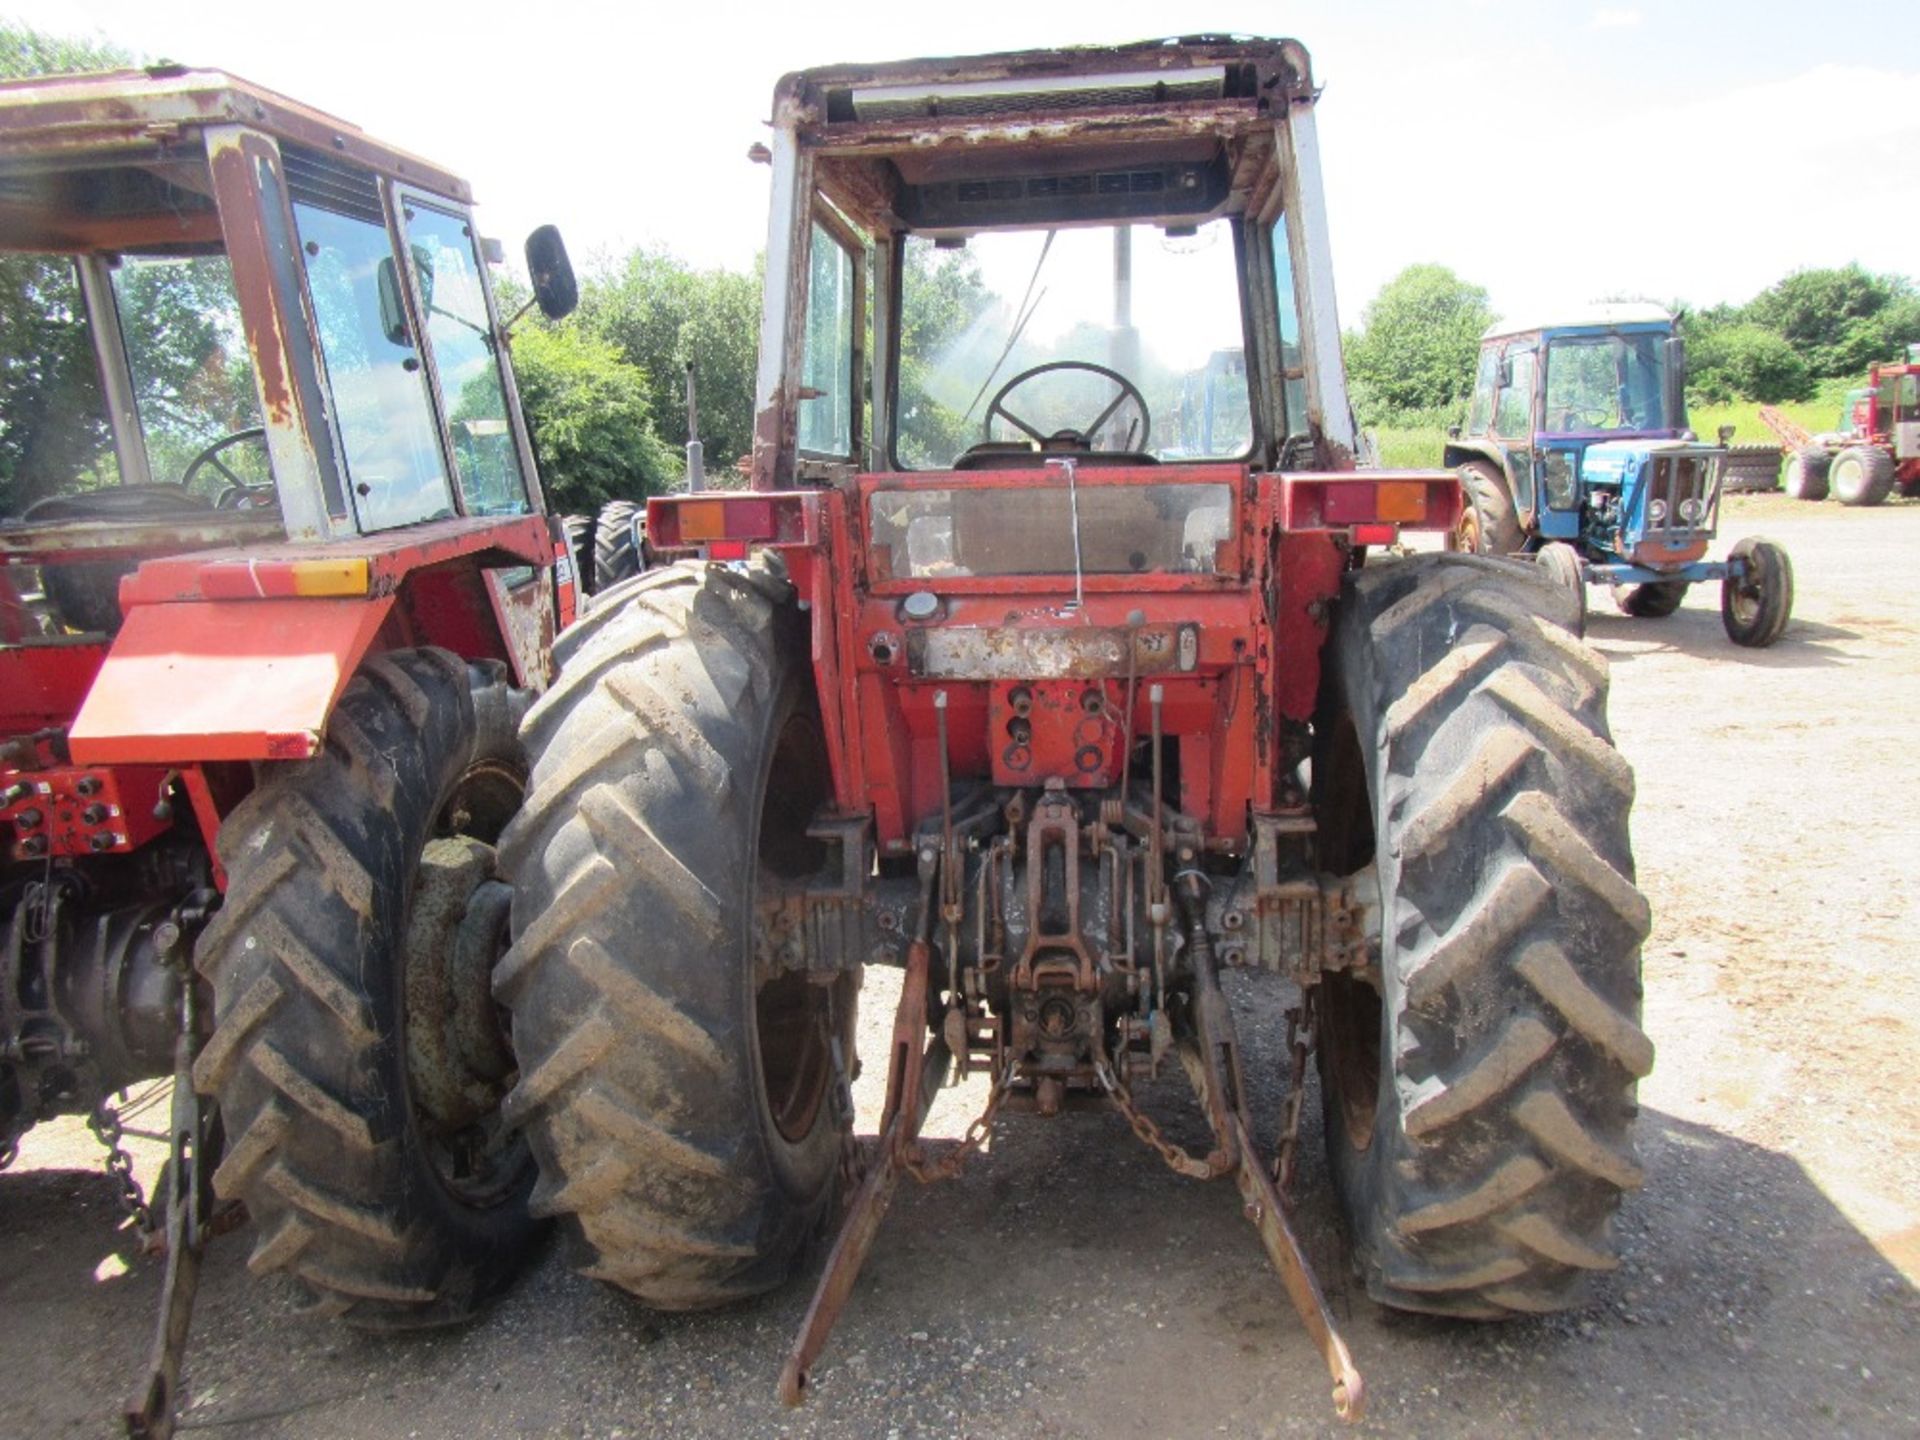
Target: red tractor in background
271, 606
1875, 448
1002, 674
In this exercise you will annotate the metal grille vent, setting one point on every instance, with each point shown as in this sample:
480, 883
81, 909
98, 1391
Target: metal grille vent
329, 184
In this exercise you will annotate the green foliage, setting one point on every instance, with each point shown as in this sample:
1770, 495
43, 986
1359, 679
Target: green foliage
591, 419
1746, 361
660, 313
1840, 321
1417, 342
942, 295
25, 51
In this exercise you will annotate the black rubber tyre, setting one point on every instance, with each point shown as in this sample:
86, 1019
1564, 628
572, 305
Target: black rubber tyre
1751, 470
1806, 474
619, 544
1755, 609
580, 530
1654, 600
1488, 524
1560, 563
686, 1115
390, 1216
1861, 475
1479, 1115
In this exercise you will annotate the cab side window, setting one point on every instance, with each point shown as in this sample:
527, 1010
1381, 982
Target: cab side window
826, 406
1513, 415
1485, 381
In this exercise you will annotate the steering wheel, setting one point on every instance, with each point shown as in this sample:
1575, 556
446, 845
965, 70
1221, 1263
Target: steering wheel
238, 490
1587, 417
1081, 439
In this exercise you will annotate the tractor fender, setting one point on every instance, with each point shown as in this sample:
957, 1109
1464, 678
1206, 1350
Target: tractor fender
1525, 505
202, 680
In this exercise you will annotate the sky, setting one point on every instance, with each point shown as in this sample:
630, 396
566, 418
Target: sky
1554, 151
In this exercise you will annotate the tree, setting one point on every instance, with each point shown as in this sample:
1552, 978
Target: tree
1745, 361
590, 418
662, 313
1838, 319
1417, 342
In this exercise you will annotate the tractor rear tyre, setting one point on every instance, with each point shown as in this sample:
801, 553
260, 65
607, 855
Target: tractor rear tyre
619, 544
1755, 608
684, 1102
580, 532
356, 1056
1861, 475
1654, 600
1479, 1085
1806, 474
1488, 524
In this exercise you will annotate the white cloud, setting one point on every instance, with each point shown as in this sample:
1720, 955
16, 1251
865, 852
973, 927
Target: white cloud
1615, 19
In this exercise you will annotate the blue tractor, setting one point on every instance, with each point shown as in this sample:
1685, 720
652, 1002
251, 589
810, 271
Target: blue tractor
1576, 450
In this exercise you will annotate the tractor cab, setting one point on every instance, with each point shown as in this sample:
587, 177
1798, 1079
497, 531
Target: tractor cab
234, 321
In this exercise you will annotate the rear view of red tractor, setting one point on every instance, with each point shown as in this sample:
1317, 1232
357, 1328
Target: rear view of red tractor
1010, 673
277, 586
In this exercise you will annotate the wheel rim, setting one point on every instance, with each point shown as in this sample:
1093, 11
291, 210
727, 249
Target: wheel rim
793, 1016
1466, 534
1745, 596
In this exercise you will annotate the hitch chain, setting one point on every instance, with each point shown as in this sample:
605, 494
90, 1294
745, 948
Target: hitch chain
105, 1124
950, 1164
1300, 1039
1180, 1160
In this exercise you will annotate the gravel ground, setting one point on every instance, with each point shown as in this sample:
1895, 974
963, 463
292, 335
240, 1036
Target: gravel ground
1070, 1286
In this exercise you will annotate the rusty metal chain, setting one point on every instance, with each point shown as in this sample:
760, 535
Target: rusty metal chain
105, 1124
1179, 1159
1300, 1037
953, 1161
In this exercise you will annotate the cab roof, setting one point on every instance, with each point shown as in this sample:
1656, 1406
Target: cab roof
1586, 317
51, 122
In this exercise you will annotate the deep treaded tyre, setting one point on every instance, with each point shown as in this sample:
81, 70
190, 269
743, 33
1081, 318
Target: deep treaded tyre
580, 531
391, 1211
1560, 563
1861, 475
1751, 470
1655, 600
619, 553
1478, 1117
1806, 474
684, 1108
1488, 525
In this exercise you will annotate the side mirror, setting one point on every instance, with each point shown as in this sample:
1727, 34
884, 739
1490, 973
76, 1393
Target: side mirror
554, 288
393, 309
1453, 432
393, 305
1725, 433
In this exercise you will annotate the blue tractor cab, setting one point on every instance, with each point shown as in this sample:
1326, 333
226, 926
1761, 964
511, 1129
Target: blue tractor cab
1576, 450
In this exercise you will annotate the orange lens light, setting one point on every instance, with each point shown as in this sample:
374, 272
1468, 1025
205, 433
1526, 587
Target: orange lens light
330, 577
1404, 500
701, 520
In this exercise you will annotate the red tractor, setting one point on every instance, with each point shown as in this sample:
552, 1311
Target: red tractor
1875, 449
276, 585
1002, 674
